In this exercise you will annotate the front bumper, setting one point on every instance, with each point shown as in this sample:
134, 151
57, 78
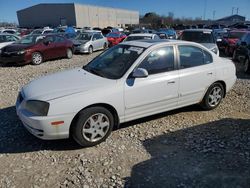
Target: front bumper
19, 59
40, 126
81, 49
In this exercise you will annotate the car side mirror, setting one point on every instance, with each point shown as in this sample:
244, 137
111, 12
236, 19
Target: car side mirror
46, 42
243, 43
140, 73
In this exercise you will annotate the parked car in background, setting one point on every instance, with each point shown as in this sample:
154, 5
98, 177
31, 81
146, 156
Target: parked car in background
41, 31
202, 36
87, 42
141, 36
162, 35
36, 49
115, 38
242, 51
229, 41
10, 31
128, 81
170, 32
6, 39
108, 30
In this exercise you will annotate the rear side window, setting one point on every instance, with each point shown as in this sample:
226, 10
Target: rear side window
191, 56
159, 61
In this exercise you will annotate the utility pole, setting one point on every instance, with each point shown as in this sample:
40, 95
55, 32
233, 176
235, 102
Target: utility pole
237, 10
205, 9
232, 10
214, 14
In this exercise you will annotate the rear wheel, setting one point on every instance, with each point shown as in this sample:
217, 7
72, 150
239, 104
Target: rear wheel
213, 97
93, 126
246, 66
37, 58
69, 53
90, 50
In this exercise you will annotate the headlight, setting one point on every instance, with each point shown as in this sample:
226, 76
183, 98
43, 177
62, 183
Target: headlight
21, 52
215, 50
39, 108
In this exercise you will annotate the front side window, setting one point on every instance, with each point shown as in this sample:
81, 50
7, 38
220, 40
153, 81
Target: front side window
114, 62
160, 60
191, 56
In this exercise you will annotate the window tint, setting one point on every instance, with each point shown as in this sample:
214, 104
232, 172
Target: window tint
50, 39
158, 61
191, 56
59, 39
95, 37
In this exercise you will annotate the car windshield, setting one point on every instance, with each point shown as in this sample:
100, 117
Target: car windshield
84, 36
130, 38
113, 35
199, 37
236, 35
30, 39
115, 62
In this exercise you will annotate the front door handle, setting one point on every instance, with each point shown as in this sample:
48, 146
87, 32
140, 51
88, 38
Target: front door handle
209, 73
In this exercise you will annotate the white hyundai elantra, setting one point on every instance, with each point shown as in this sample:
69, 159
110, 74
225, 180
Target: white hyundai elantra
129, 81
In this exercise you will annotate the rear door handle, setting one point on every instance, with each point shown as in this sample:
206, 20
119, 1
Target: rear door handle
171, 82
209, 73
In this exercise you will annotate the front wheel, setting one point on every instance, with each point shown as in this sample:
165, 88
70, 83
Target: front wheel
213, 96
90, 50
93, 126
246, 66
37, 58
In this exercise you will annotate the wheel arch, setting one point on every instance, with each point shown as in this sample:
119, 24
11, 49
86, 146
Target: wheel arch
104, 105
218, 81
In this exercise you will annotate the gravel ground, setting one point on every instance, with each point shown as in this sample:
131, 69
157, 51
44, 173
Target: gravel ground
182, 148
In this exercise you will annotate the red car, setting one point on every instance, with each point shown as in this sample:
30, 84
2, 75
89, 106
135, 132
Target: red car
231, 39
36, 48
115, 38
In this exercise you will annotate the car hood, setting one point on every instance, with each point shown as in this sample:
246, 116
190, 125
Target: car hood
79, 42
16, 47
210, 46
63, 84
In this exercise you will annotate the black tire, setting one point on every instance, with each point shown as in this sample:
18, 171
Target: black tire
227, 53
247, 66
207, 102
90, 50
69, 53
234, 57
105, 46
83, 121
37, 58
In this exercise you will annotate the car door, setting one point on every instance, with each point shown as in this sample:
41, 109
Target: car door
61, 48
49, 48
95, 41
196, 71
244, 47
156, 93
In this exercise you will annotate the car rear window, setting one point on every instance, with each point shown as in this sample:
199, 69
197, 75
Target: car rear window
199, 37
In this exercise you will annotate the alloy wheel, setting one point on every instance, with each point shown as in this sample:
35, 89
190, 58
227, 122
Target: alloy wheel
215, 96
96, 127
37, 58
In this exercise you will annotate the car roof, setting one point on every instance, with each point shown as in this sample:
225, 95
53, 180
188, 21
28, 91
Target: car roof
7, 34
240, 31
146, 43
198, 30
142, 34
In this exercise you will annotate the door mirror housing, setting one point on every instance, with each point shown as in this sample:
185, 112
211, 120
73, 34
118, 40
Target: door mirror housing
46, 42
140, 73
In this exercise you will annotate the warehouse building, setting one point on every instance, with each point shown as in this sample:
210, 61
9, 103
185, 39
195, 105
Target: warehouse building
73, 14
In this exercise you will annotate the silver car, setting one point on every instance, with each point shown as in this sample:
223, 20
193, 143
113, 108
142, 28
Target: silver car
89, 41
203, 36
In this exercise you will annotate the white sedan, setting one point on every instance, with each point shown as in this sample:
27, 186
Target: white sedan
6, 39
129, 81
